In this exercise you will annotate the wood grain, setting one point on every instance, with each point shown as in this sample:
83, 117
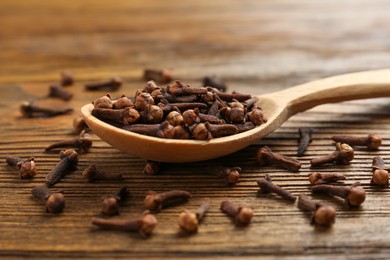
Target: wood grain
258, 47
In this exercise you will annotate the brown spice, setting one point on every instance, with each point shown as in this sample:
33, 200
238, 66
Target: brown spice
316, 178
371, 141
152, 167
27, 166
189, 221
55, 202
380, 172
68, 162
343, 155
156, 201
111, 85
267, 186
57, 91
159, 76
241, 215
304, 140
66, 78
143, 225
91, 173
354, 195
111, 203
265, 156
320, 214
29, 109
82, 142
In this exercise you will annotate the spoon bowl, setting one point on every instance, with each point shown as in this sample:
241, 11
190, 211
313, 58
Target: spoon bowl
277, 107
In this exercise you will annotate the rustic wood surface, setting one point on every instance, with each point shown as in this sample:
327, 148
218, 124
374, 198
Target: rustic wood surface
257, 47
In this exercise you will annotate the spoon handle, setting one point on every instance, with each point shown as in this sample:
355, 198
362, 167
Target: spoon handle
360, 85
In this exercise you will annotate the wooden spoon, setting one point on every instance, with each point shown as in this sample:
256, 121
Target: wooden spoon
278, 107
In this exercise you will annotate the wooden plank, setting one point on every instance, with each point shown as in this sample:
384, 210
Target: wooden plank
258, 47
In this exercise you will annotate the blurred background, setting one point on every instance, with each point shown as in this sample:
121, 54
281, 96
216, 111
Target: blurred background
261, 45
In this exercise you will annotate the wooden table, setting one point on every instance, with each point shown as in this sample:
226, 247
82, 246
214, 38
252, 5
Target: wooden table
257, 47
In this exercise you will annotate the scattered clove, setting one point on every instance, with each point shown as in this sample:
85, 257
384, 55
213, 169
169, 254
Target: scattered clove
189, 221
27, 166
241, 215
82, 142
159, 76
156, 201
111, 85
68, 162
371, 141
230, 175
55, 201
29, 109
152, 167
57, 91
316, 178
79, 125
143, 225
380, 172
354, 195
320, 214
343, 155
66, 78
214, 82
91, 173
267, 186
111, 203
265, 156
304, 140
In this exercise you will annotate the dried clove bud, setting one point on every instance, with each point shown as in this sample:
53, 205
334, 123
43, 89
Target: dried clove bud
211, 81
316, 178
304, 140
159, 76
230, 175
103, 102
29, 109
143, 225
156, 201
257, 116
343, 155
111, 203
189, 221
321, 215
112, 85
241, 215
152, 167
124, 116
58, 91
66, 78
91, 173
122, 103
265, 156
68, 162
55, 202
371, 141
79, 125
354, 195
27, 166
267, 186
82, 142
380, 172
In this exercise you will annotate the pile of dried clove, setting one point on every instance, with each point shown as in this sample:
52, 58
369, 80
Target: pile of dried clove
181, 112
